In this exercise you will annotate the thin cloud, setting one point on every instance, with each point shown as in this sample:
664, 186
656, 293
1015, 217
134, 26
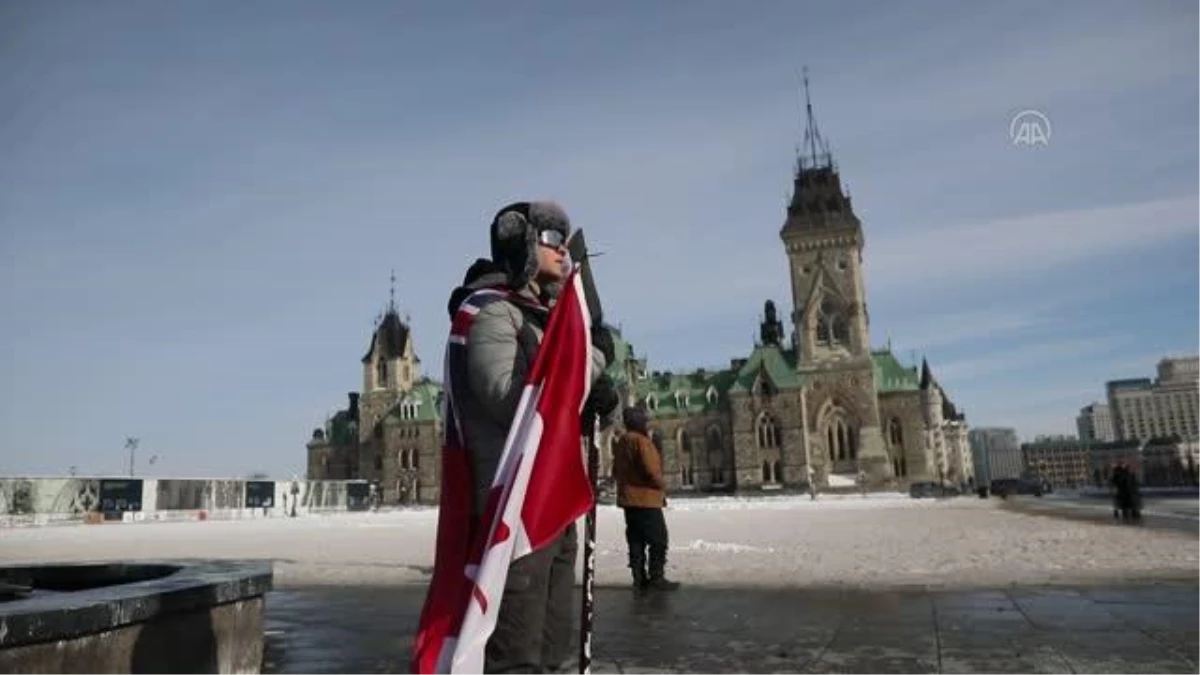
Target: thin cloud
1027, 358
990, 251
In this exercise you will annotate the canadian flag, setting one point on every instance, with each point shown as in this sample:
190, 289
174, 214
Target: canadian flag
540, 487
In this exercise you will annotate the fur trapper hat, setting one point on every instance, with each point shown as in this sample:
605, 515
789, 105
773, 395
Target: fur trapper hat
514, 235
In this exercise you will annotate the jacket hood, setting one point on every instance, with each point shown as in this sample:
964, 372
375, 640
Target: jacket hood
483, 273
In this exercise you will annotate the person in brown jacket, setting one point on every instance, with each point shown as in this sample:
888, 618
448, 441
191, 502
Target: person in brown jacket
637, 467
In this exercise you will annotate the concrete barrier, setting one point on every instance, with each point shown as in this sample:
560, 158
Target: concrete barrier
41, 501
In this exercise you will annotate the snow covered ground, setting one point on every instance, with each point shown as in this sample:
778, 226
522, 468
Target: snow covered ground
881, 540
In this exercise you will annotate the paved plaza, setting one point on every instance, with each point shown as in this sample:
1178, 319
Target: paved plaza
1132, 629
878, 584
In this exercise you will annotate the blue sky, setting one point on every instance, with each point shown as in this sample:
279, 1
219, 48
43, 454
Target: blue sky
201, 203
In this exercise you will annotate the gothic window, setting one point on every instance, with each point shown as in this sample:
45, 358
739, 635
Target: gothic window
414, 459
764, 387
768, 432
895, 435
379, 462
778, 469
379, 430
713, 436
832, 325
767, 477
716, 455
381, 373
651, 402
841, 440
407, 373
711, 395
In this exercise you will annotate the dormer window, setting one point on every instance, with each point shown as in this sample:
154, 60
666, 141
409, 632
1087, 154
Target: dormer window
409, 409
652, 402
681, 399
711, 395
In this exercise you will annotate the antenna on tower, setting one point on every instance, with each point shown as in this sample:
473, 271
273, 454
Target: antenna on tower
814, 145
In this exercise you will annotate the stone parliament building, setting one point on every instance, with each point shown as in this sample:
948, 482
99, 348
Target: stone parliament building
822, 407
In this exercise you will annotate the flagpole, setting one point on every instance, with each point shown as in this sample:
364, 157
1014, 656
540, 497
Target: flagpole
589, 550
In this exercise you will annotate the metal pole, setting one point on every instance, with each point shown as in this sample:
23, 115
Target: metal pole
589, 552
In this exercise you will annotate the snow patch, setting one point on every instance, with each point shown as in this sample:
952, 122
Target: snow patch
720, 547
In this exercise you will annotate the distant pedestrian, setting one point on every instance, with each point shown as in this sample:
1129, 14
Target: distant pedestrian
641, 494
1126, 493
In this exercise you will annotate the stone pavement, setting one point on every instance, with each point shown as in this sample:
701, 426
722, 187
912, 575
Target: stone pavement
1149, 628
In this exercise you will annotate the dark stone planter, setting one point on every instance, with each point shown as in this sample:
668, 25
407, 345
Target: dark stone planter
168, 617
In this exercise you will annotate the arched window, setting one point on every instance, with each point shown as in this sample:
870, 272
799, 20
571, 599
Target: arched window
841, 439
766, 470
713, 436
764, 387
768, 432
651, 402
715, 447
895, 434
833, 326
381, 373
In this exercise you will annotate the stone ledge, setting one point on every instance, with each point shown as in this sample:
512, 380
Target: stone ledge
108, 601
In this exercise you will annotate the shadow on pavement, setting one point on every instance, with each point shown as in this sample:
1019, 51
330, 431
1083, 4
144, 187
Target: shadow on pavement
1143, 628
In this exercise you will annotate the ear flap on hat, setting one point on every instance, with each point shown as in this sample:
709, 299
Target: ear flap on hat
514, 243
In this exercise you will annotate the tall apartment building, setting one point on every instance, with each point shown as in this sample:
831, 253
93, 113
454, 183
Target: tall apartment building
1142, 408
996, 453
1061, 461
1094, 423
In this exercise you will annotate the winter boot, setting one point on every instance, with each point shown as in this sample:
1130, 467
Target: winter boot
658, 564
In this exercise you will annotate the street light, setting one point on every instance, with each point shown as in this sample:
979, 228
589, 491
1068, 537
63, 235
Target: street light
131, 445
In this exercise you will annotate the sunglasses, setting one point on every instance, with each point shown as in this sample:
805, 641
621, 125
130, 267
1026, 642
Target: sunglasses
552, 238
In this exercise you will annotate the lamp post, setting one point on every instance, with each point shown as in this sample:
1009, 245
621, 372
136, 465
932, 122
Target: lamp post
131, 444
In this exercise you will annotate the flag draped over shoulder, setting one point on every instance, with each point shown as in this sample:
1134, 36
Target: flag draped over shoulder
540, 487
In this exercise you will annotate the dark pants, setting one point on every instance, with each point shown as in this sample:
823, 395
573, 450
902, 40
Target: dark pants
537, 615
646, 528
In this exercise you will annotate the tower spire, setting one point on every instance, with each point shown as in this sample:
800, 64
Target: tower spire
392, 293
815, 147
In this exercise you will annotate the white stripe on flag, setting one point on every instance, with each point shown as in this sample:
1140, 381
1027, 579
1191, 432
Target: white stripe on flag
516, 466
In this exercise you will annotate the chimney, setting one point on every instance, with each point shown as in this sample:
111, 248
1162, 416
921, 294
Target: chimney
354, 406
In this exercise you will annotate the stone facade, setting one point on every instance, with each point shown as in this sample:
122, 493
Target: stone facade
823, 407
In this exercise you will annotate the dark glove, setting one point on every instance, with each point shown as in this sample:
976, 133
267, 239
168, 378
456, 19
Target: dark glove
603, 340
603, 398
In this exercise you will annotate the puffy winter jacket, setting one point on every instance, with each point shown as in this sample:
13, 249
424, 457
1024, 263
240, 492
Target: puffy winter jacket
501, 347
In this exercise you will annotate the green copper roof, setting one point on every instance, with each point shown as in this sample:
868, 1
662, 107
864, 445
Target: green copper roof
683, 393
778, 365
341, 429
891, 375
426, 394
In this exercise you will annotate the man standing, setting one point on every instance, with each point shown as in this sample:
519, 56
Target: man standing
641, 494
528, 266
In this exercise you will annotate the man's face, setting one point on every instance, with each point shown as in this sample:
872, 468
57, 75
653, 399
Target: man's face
552, 251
